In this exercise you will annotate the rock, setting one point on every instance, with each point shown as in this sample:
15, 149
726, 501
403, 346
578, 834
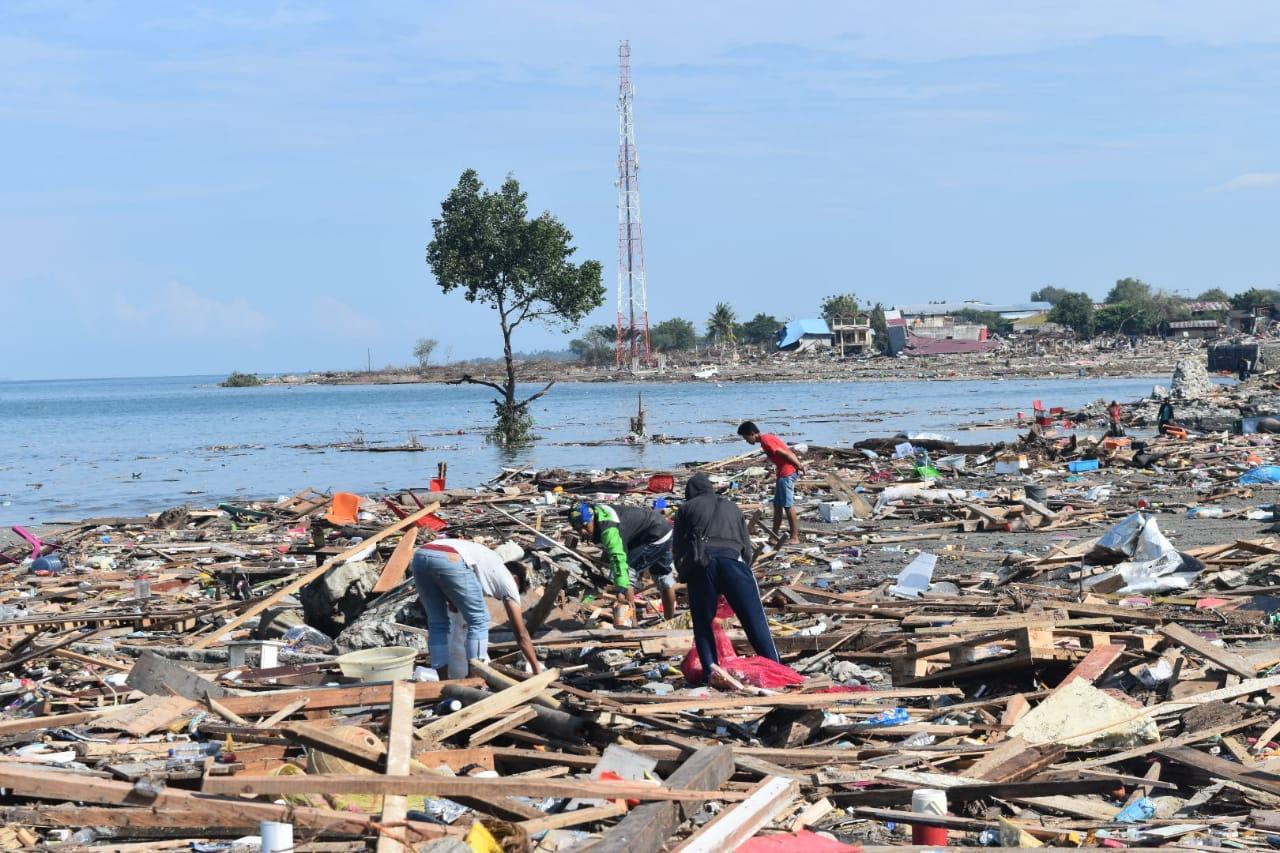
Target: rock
1082, 715
336, 598
396, 619
1191, 379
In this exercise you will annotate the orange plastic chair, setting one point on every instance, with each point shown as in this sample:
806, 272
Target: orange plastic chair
345, 508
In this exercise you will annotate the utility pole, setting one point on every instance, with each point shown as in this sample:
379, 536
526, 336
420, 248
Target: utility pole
633, 297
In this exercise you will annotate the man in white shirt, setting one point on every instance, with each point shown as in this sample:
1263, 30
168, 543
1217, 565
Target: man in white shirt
459, 574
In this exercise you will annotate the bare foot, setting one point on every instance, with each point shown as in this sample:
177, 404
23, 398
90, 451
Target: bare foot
794, 540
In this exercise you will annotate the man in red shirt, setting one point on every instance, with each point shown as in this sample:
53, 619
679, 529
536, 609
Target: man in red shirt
789, 469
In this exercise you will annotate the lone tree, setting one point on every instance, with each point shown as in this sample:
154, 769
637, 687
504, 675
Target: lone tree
423, 349
722, 324
485, 243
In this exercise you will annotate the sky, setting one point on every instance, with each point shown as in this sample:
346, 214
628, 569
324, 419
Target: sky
201, 187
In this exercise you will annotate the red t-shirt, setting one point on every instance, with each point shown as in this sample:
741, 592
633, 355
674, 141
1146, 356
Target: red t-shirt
772, 447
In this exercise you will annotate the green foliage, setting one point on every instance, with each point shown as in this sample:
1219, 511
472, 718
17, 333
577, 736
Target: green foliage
485, 245
1214, 294
880, 325
241, 380
1130, 290
598, 346
839, 305
760, 330
1075, 312
722, 323
423, 349
1254, 297
673, 335
1049, 293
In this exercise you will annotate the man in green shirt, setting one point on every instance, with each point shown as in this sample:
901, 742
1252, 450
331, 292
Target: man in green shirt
634, 538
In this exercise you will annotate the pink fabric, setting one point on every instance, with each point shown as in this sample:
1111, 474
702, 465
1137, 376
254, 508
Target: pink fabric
800, 842
756, 671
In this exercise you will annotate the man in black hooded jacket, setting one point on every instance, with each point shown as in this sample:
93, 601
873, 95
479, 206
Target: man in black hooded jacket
713, 557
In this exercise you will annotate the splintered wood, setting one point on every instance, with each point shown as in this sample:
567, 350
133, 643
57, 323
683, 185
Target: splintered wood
1037, 679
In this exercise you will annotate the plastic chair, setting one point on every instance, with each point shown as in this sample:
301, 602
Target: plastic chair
344, 510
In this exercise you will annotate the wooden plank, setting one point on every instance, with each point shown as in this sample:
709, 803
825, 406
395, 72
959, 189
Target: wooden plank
394, 571
160, 676
283, 714
513, 719
1223, 658
24, 781
444, 786
1119, 614
1244, 688
307, 577
144, 717
539, 612
647, 827
573, 818
1212, 765
1267, 736
399, 757
735, 825
498, 680
326, 698
1094, 665
504, 700
374, 758
32, 724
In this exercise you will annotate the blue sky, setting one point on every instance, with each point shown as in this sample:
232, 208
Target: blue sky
200, 187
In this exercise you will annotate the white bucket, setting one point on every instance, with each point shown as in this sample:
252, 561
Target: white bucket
276, 837
393, 663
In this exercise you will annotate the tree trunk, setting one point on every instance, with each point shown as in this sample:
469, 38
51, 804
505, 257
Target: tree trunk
511, 364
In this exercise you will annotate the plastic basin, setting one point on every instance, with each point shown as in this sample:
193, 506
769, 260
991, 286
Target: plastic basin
384, 664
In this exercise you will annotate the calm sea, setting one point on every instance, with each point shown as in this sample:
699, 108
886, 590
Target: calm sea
81, 448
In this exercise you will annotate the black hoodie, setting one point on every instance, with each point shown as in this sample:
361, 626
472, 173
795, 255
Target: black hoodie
708, 519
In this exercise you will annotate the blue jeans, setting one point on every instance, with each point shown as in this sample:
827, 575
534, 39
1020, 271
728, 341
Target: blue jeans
444, 578
726, 574
784, 493
654, 558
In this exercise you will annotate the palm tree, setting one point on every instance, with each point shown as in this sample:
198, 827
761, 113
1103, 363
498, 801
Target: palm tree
721, 323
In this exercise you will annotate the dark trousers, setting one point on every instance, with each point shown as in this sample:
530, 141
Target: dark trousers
726, 575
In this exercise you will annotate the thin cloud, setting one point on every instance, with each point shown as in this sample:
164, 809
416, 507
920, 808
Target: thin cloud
180, 311
1250, 181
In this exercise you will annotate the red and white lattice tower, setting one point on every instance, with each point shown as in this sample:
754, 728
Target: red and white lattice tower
633, 297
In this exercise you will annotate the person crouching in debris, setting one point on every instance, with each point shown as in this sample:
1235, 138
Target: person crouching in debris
713, 556
1116, 415
1165, 416
453, 577
1242, 369
789, 468
635, 539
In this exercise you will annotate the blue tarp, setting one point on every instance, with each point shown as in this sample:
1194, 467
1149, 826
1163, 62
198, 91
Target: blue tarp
1264, 476
791, 334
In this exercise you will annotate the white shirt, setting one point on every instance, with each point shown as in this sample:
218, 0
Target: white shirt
496, 581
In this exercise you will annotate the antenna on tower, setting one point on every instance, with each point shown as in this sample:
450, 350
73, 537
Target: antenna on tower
633, 297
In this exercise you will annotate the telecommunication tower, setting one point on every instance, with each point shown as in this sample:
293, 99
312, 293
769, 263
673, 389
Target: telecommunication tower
633, 297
